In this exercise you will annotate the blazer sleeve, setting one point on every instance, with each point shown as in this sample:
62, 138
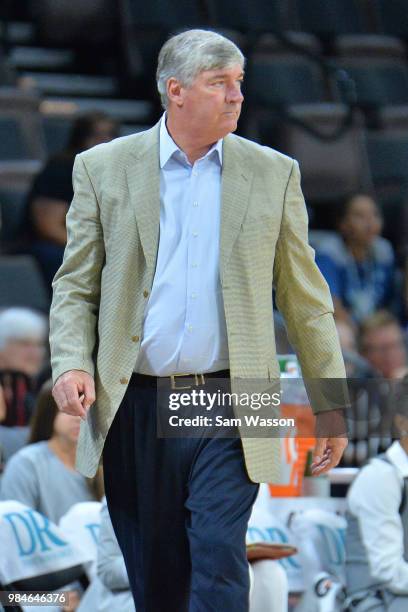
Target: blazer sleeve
303, 297
76, 285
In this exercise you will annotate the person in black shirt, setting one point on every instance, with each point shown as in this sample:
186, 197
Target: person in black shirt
51, 193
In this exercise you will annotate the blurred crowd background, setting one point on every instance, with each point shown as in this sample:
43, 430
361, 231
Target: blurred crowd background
326, 83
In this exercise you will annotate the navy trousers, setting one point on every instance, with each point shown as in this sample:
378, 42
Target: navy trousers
180, 509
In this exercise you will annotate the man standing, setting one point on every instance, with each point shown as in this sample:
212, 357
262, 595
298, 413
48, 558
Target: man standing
175, 237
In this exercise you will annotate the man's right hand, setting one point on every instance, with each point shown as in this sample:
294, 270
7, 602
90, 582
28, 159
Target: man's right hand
74, 392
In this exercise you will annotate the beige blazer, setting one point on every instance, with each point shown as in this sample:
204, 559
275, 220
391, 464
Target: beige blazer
103, 284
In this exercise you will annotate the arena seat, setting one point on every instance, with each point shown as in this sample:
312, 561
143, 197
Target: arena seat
21, 283
255, 16
7, 73
379, 82
327, 19
74, 22
388, 157
392, 17
331, 169
369, 46
12, 208
393, 117
12, 141
129, 111
302, 42
18, 175
157, 14
56, 131
17, 32
55, 84
282, 80
21, 108
38, 58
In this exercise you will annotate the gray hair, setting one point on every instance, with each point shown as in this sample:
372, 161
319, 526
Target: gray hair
19, 323
187, 54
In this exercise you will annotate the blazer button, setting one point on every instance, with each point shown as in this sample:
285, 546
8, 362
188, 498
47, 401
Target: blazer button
124, 381
135, 338
145, 293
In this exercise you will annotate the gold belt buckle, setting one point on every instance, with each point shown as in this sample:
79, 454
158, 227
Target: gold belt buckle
199, 380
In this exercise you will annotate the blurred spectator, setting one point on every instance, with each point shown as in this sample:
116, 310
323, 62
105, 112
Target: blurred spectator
2, 417
52, 192
2, 405
405, 281
382, 343
42, 475
269, 587
347, 336
110, 589
358, 264
377, 530
23, 334
7, 74
356, 365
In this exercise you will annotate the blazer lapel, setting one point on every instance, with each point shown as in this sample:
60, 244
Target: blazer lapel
143, 177
235, 189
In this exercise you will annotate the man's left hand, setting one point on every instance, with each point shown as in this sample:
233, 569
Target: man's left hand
327, 454
331, 440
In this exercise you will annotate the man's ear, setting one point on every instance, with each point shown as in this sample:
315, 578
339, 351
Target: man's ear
175, 91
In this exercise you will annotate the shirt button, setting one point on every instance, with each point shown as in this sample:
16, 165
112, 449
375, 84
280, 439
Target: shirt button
124, 381
195, 204
194, 265
193, 295
135, 338
190, 327
195, 234
145, 293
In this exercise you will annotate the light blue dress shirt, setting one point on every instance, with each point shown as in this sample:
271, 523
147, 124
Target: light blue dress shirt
184, 327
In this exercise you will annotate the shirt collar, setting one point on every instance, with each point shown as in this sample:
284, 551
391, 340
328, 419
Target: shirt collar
168, 147
398, 457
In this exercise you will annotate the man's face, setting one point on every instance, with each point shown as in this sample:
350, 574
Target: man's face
212, 105
384, 348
